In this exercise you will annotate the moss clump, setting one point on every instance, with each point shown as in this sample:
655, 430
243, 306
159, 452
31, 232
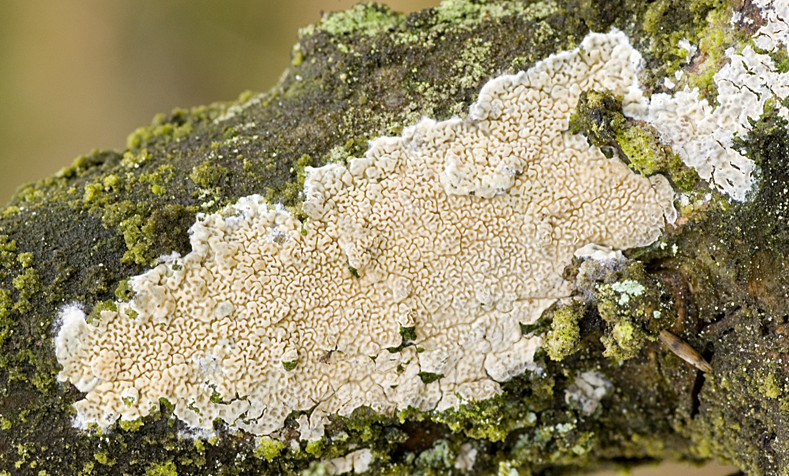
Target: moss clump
160, 128
124, 291
162, 469
135, 159
315, 447
25, 259
496, 418
207, 174
98, 308
599, 117
429, 377
131, 425
564, 337
624, 338
291, 364
268, 449
104, 458
28, 284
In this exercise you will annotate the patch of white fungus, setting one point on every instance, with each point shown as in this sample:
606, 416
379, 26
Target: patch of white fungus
587, 390
703, 135
458, 229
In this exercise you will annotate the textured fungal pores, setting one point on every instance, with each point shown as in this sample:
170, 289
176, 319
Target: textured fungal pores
457, 231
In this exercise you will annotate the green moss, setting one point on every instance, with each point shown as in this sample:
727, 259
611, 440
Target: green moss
162, 469
158, 130
767, 383
207, 174
429, 377
492, 419
315, 447
564, 337
132, 160
104, 458
599, 117
268, 449
7, 251
131, 425
290, 365
159, 179
25, 259
95, 314
28, 284
124, 291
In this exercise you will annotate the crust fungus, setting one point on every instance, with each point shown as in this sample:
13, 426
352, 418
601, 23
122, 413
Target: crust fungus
703, 135
455, 234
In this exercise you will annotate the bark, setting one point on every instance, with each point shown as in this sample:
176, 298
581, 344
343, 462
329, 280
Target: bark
720, 278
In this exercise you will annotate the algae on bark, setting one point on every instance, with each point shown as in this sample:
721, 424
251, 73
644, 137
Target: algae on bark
719, 281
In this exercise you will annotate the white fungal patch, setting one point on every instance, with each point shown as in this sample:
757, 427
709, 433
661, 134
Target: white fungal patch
586, 391
458, 229
356, 461
466, 457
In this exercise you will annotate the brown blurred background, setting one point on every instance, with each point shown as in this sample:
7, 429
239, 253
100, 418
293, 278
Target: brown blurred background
83, 74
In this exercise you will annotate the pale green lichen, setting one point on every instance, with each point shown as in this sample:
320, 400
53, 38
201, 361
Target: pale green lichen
366, 19
439, 456
632, 311
626, 289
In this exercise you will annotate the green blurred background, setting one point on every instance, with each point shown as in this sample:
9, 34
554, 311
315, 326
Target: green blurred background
83, 74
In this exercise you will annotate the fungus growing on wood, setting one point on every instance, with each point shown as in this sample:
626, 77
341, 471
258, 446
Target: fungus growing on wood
406, 286
703, 135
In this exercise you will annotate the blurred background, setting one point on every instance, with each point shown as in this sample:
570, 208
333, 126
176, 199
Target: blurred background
83, 74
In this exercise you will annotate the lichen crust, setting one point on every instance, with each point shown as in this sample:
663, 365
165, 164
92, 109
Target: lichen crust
407, 284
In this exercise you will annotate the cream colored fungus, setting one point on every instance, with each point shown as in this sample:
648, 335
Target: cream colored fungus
459, 229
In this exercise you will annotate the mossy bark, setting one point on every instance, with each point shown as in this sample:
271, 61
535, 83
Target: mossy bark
718, 281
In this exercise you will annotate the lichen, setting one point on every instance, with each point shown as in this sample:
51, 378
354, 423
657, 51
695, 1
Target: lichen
563, 338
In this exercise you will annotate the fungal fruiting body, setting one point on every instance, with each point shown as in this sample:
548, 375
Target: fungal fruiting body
455, 234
